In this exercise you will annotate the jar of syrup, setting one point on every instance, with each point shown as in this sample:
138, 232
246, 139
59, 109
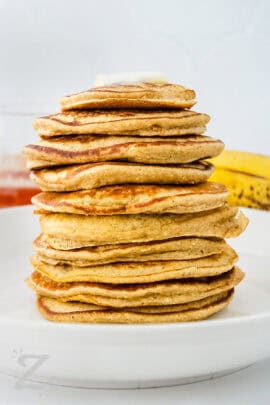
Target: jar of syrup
16, 188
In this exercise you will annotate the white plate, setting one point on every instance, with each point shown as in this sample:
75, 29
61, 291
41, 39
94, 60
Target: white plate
130, 355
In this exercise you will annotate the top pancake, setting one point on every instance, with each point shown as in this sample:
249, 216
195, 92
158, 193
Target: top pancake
122, 96
122, 122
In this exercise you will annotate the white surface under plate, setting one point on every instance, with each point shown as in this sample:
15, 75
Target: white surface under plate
32, 348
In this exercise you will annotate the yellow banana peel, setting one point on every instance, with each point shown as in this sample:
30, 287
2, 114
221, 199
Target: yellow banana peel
247, 177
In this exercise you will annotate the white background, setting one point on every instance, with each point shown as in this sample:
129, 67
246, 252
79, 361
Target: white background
218, 47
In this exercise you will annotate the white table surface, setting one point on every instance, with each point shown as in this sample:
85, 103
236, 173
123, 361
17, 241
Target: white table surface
248, 386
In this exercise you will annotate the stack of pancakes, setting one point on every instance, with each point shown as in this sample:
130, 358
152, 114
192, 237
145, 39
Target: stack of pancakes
131, 231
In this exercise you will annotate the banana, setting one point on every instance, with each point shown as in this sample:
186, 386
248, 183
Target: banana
247, 177
246, 162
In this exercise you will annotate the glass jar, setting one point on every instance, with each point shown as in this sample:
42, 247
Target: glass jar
16, 131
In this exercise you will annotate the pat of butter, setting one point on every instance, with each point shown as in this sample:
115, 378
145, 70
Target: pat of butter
130, 78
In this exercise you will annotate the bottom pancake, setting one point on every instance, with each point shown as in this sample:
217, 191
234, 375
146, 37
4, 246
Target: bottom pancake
58, 311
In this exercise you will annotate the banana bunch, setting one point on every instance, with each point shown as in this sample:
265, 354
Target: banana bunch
247, 177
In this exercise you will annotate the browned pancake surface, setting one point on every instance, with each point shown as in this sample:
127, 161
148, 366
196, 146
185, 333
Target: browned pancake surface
94, 175
135, 199
62, 150
133, 122
143, 95
58, 311
168, 292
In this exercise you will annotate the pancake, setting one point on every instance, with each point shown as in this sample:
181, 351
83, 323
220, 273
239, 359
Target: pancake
71, 230
143, 95
172, 249
138, 272
93, 175
133, 122
136, 295
134, 199
57, 311
62, 150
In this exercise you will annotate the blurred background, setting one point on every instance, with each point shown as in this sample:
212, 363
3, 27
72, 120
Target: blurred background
51, 48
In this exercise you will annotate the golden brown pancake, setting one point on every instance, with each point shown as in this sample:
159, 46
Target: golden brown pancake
171, 249
71, 230
134, 199
138, 272
62, 150
133, 122
93, 175
123, 96
58, 311
168, 292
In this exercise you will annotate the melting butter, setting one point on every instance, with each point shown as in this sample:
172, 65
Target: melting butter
130, 78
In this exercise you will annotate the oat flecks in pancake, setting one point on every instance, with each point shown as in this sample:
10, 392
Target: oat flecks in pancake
133, 122
113, 229
143, 95
135, 199
58, 311
93, 175
62, 150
